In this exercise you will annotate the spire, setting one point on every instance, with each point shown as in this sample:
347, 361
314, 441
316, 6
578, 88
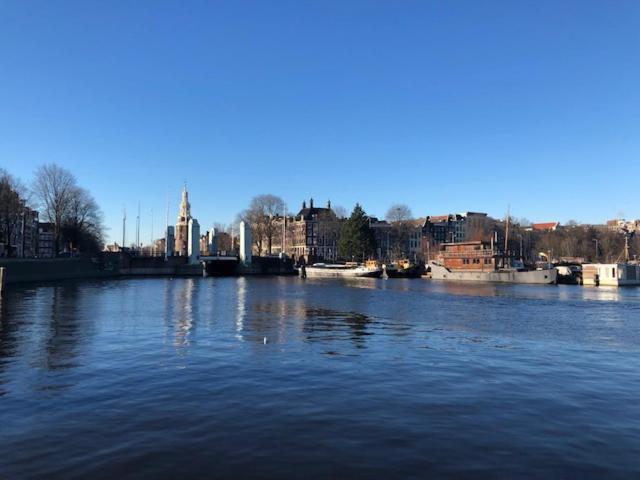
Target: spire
185, 206
311, 203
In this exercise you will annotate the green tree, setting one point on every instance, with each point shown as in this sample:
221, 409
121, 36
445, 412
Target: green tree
356, 238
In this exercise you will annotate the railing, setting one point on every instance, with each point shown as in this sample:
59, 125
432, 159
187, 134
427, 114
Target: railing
470, 254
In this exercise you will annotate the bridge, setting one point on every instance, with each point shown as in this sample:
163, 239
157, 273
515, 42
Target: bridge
219, 264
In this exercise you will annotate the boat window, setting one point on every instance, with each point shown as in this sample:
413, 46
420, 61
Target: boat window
613, 272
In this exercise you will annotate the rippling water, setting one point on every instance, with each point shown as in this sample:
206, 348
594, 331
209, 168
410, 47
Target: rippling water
291, 378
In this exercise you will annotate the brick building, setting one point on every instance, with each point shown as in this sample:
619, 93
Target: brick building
312, 234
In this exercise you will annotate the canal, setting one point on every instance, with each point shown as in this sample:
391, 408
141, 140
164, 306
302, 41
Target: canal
291, 378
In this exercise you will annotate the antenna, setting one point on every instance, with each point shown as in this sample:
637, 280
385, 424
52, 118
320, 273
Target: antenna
124, 226
506, 233
166, 230
138, 227
284, 228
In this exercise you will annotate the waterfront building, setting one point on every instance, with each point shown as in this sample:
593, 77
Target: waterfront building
314, 233
621, 224
25, 235
45, 239
397, 240
23, 239
382, 234
193, 250
414, 239
453, 228
170, 241
205, 245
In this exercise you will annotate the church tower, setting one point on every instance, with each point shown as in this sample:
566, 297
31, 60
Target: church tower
182, 225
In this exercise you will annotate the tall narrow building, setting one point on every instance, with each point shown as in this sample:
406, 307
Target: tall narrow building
182, 225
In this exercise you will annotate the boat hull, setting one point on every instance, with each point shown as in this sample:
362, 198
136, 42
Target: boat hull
316, 272
412, 272
540, 277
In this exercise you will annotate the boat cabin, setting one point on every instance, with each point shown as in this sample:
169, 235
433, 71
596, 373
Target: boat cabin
474, 256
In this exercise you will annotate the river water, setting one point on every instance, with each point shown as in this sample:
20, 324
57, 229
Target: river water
291, 378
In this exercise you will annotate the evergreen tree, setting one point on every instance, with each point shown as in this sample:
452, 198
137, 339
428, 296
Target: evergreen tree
356, 238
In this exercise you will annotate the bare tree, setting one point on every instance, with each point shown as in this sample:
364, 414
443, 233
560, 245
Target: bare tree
399, 213
53, 188
262, 215
340, 212
399, 216
12, 206
83, 225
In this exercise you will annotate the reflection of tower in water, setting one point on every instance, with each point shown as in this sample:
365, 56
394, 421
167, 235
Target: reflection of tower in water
241, 306
184, 306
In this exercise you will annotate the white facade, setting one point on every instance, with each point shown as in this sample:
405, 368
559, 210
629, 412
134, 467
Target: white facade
245, 243
194, 241
610, 274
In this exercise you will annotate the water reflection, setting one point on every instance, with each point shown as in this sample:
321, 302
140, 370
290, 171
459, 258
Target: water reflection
467, 288
65, 328
327, 325
508, 365
241, 307
7, 342
606, 294
181, 307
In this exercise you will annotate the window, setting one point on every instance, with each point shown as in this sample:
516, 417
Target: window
613, 272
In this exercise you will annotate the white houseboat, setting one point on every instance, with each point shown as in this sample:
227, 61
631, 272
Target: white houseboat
610, 274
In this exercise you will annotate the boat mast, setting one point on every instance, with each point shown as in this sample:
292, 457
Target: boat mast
506, 238
284, 228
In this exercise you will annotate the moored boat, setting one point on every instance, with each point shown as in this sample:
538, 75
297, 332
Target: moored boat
370, 269
480, 262
611, 274
402, 269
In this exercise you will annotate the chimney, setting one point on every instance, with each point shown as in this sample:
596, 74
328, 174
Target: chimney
304, 204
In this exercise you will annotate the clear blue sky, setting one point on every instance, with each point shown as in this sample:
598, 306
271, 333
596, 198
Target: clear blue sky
446, 106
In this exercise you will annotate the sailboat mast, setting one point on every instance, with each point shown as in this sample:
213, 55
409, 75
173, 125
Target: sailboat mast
506, 237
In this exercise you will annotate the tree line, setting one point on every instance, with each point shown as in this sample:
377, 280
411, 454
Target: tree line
77, 220
356, 240
571, 241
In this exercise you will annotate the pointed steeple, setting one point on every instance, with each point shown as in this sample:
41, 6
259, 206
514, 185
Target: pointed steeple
185, 206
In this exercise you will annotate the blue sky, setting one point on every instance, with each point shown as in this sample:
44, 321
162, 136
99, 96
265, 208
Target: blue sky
446, 106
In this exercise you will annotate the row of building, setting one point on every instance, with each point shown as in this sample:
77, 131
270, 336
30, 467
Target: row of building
29, 238
312, 235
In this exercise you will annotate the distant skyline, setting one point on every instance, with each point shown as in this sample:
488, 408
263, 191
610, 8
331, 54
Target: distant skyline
444, 106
